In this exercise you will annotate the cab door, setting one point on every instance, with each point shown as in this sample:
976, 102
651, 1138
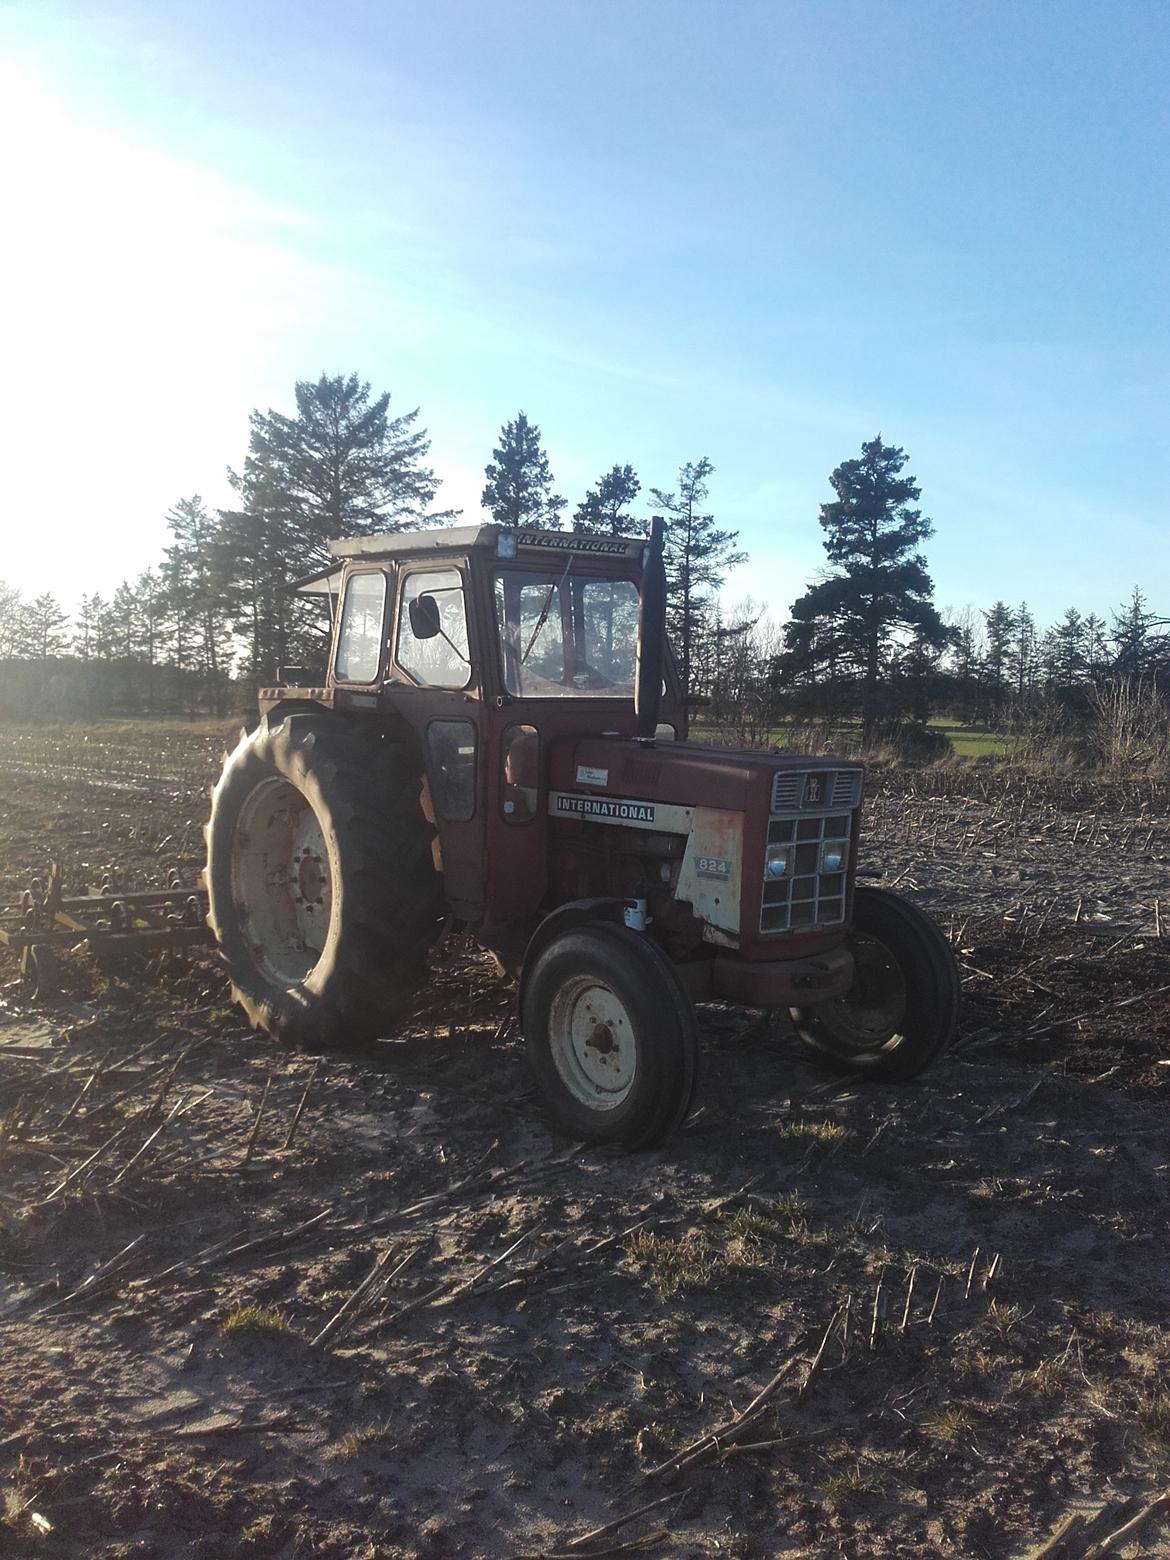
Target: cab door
432, 657
515, 773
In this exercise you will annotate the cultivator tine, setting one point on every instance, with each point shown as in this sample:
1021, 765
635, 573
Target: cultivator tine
46, 922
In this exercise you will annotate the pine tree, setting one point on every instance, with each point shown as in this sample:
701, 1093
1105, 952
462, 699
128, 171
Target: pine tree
916, 674
12, 622
518, 490
966, 660
1096, 647
697, 555
1046, 659
260, 552
123, 622
999, 628
882, 595
965, 652
341, 467
1068, 650
153, 607
85, 633
1137, 649
197, 574
603, 510
103, 631
1023, 651
44, 627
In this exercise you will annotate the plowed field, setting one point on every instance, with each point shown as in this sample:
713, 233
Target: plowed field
258, 1304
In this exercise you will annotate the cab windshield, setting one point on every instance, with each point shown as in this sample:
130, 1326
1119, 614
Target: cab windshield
566, 636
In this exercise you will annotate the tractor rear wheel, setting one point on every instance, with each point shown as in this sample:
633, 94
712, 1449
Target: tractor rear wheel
324, 897
611, 1036
903, 1006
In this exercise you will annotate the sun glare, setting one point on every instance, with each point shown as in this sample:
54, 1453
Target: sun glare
137, 290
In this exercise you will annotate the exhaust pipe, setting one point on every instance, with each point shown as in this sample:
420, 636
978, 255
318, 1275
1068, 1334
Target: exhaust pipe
651, 636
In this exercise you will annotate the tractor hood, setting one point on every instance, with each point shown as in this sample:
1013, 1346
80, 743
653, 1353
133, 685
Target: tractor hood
688, 774
728, 813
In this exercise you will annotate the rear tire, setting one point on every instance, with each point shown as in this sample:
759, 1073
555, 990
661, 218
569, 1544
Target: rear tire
611, 1036
324, 897
902, 1010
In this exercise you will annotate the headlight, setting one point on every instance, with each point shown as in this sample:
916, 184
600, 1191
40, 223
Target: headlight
833, 858
777, 861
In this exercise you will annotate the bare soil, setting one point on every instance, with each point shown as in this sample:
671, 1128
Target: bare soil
427, 1326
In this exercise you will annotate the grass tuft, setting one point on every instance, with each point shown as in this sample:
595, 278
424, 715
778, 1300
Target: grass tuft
827, 1133
748, 1225
849, 1483
951, 1425
15, 1506
256, 1319
354, 1442
1154, 1417
1003, 1319
671, 1266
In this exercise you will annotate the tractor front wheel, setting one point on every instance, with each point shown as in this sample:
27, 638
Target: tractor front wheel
611, 1036
903, 1006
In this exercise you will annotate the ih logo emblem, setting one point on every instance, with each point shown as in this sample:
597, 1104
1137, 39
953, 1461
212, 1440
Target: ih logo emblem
814, 790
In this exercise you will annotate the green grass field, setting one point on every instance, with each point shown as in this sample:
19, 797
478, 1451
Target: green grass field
967, 741
972, 741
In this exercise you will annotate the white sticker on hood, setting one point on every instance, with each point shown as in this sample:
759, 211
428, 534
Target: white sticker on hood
588, 776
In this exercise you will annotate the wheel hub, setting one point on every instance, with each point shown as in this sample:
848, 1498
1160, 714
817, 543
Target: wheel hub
873, 1011
593, 1042
602, 1040
282, 880
312, 878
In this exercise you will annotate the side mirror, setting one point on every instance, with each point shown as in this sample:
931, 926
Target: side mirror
425, 622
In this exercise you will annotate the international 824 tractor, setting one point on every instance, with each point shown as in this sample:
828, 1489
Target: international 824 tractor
499, 747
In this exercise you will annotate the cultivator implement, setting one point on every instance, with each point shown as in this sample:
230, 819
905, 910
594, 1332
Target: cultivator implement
108, 921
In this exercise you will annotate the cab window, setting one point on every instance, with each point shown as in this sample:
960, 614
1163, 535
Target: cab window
566, 636
432, 629
359, 638
520, 773
452, 749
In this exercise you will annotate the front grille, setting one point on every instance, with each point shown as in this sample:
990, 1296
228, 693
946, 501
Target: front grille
807, 897
787, 789
810, 808
846, 790
795, 790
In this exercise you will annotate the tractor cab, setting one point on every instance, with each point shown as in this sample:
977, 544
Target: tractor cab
485, 611
493, 645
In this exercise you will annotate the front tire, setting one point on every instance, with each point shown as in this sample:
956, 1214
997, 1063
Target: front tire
324, 897
902, 1010
611, 1036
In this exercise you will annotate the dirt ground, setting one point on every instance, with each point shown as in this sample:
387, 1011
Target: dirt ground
411, 1321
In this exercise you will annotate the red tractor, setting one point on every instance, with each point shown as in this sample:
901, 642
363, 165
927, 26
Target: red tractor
499, 746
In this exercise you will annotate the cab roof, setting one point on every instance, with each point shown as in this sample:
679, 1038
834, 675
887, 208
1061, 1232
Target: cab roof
463, 537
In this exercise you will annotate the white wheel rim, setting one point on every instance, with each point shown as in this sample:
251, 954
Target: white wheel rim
593, 1044
282, 881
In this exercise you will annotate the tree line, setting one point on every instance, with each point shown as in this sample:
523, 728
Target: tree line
864, 643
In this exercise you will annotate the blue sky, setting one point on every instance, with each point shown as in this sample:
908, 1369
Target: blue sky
759, 232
